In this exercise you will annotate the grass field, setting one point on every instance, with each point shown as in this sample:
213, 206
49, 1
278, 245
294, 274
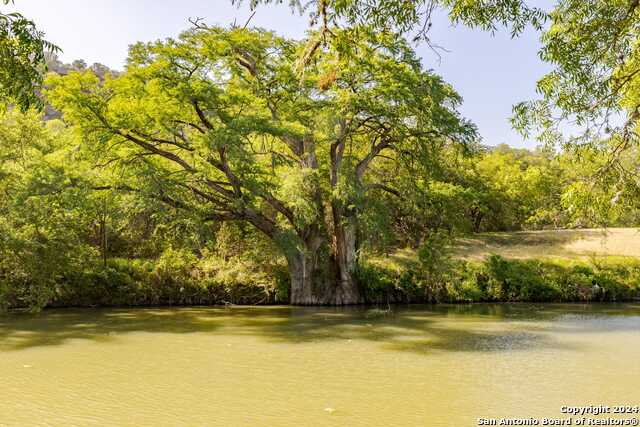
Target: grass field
551, 266
580, 245
568, 244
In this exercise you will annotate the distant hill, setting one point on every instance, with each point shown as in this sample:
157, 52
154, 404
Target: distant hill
54, 65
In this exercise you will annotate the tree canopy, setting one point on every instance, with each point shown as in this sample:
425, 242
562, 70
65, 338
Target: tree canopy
414, 16
592, 46
218, 123
233, 155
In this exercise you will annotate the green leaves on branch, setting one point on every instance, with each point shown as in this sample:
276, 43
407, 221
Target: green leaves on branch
414, 16
591, 91
22, 59
217, 122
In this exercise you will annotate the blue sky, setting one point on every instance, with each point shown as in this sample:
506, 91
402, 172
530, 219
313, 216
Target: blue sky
491, 72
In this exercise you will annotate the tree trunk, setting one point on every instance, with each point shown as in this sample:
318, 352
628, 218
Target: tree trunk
311, 281
320, 277
346, 260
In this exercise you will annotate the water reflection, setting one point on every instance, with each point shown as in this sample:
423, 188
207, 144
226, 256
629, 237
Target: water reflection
404, 366
421, 329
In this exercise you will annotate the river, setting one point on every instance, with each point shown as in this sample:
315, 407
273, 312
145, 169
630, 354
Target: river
289, 366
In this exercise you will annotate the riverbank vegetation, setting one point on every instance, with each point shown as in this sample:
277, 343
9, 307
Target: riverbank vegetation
69, 239
232, 165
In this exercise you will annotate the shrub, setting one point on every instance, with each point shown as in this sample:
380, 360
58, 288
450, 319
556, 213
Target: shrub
178, 277
503, 280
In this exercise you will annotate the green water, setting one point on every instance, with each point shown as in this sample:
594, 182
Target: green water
284, 366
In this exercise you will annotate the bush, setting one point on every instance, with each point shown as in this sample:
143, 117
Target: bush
177, 277
384, 286
503, 280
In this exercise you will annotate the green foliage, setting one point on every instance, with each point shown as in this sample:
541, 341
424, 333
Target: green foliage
42, 212
521, 189
406, 16
381, 286
247, 142
590, 99
218, 125
591, 91
22, 59
221, 156
434, 265
176, 278
501, 280
55, 211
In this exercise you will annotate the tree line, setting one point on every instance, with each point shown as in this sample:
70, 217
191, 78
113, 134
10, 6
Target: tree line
316, 151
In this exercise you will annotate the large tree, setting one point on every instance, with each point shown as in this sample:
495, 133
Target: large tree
218, 122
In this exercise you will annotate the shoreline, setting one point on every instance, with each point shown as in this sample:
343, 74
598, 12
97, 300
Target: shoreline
25, 310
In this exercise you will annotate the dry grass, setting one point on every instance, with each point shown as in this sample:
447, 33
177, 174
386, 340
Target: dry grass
398, 261
567, 244
584, 244
613, 244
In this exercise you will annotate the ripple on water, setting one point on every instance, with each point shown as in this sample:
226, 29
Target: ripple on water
284, 366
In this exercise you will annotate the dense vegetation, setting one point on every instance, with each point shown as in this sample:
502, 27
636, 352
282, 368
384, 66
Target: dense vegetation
231, 165
70, 235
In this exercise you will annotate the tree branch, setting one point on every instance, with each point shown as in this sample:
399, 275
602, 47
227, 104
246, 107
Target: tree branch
364, 163
337, 152
203, 118
163, 141
386, 189
150, 147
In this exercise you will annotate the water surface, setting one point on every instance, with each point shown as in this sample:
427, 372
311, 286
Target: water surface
286, 366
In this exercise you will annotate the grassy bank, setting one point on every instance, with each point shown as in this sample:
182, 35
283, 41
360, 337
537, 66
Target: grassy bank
177, 278
551, 265
548, 266
583, 244
498, 279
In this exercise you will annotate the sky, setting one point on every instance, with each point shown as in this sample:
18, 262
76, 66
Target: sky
491, 72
